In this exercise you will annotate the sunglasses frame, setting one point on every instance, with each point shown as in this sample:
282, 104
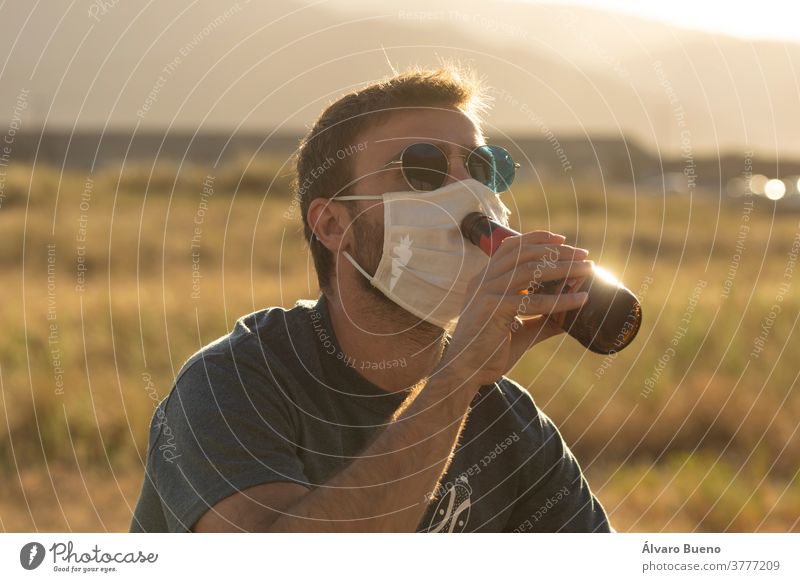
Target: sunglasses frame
447, 159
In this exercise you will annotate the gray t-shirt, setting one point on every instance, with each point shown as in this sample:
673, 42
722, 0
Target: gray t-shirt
276, 400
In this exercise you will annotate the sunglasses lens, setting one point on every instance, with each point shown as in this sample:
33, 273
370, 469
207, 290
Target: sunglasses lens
424, 166
492, 166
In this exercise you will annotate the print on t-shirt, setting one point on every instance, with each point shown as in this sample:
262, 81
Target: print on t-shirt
452, 512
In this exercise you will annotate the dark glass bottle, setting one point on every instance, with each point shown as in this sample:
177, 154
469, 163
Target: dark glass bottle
611, 316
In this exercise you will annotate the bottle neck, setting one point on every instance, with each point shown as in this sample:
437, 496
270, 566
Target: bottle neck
484, 232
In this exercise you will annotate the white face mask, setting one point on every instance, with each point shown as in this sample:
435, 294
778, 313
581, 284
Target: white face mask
426, 262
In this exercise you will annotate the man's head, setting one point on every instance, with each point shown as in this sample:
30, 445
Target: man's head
348, 148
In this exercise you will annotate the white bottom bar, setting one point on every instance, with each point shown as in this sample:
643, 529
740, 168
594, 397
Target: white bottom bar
349, 557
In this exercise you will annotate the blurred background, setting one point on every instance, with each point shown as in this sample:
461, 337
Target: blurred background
145, 206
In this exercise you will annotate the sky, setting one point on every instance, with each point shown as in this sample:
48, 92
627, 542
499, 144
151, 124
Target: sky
764, 19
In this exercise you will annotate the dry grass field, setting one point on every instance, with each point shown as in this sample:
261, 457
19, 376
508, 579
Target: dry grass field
690, 429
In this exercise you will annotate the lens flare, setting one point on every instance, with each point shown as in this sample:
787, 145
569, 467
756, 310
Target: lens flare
774, 189
606, 276
758, 183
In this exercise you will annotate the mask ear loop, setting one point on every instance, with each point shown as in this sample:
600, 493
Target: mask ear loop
357, 266
358, 197
345, 253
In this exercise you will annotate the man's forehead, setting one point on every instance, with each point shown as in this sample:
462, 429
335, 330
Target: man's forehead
393, 143
442, 127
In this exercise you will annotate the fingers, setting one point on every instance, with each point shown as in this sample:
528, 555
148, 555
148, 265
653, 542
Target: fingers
542, 304
534, 273
528, 260
510, 243
572, 284
514, 244
505, 307
521, 251
542, 254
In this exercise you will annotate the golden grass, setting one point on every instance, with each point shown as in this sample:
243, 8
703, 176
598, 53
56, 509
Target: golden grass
712, 447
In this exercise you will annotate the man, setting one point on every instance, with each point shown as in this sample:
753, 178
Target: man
382, 406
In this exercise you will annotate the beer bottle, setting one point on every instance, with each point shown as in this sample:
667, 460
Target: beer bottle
608, 320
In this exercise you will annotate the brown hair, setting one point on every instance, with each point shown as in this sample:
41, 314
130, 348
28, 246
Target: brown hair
320, 169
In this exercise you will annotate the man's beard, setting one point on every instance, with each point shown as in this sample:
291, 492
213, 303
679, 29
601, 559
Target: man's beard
367, 253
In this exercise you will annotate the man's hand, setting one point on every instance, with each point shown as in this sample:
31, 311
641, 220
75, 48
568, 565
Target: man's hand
490, 336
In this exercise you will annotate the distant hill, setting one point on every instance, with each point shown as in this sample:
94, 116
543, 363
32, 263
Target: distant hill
573, 71
607, 161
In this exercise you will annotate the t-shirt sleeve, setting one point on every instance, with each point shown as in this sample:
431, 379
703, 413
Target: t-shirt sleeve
222, 429
553, 494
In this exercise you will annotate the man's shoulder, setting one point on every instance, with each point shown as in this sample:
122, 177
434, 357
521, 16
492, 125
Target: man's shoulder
242, 368
257, 338
514, 406
514, 395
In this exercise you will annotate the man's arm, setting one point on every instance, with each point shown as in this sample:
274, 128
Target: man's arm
383, 489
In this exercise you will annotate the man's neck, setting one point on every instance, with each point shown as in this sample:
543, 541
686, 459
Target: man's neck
386, 345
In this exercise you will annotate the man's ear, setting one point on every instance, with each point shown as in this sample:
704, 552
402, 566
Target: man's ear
331, 223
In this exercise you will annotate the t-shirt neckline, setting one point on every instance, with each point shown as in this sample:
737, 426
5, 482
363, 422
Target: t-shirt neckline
342, 376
